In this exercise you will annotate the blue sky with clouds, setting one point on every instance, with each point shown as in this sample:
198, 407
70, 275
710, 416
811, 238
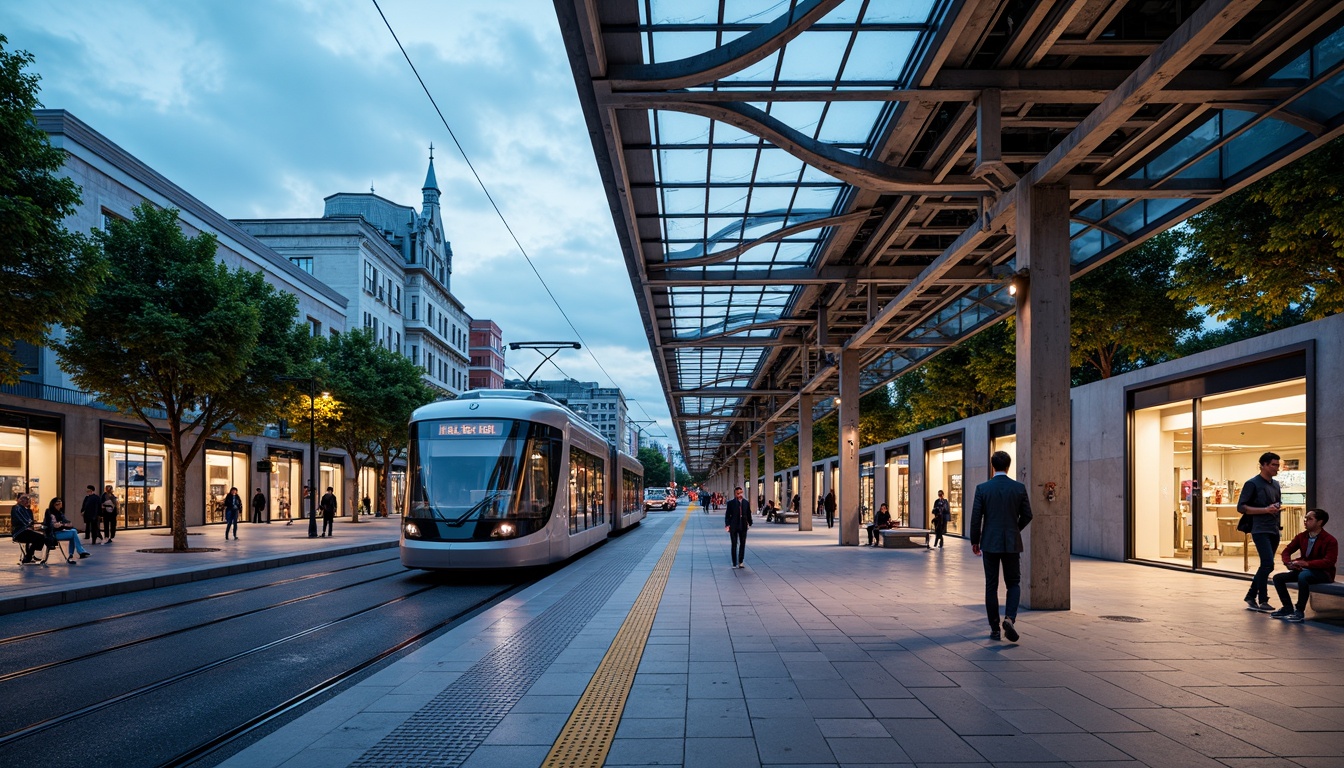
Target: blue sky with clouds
262, 109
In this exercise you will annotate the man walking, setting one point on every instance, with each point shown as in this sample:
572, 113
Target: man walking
829, 504
1000, 511
258, 505
736, 521
1261, 498
89, 510
328, 505
1320, 552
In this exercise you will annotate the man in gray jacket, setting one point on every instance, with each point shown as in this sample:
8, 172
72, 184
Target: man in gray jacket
1000, 512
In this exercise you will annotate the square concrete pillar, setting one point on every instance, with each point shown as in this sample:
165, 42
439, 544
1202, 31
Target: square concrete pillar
847, 498
740, 478
768, 446
752, 463
807, 496
1044, 420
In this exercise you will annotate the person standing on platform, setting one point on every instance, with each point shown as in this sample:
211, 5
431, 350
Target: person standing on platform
90, 510
829, 504
942, 512
736, 521
999, 513
108, 514
1261, 498
1320, 552
328, 505
258, 505
57, 526
233, 509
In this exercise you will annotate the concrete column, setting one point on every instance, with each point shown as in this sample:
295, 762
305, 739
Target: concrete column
1044, 419
739, 478
807, 497
880, 480
768, 445
750, 486
847, 497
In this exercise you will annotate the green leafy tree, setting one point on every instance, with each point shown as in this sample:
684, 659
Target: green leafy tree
176, 331
657, 472
1275, 245
47, 272
976, 376
1126, 314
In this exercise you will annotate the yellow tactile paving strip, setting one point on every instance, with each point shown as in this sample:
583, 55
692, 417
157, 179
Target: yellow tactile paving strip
587, 736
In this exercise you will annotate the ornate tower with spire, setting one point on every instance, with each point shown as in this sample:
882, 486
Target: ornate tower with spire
430, 210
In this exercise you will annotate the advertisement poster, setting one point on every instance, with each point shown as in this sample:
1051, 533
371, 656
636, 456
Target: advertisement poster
139, 471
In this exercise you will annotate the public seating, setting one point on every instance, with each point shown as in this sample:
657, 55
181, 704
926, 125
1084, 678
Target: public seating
784, 516
903, 538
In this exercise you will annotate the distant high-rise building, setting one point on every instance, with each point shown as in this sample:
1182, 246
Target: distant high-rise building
487, 356
603, 407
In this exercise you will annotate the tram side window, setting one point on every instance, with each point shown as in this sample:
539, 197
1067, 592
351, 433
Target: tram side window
586, 508
596, 476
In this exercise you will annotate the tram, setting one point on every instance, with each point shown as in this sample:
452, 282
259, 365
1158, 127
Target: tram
505, 478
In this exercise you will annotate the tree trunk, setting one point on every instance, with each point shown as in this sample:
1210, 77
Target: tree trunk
352, 488
179, 501
387, 483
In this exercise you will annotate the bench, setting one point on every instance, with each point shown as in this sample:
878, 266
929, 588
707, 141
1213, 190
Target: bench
783, 516
903, 538
1327, 600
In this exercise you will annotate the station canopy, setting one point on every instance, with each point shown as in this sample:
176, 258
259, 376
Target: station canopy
790, 178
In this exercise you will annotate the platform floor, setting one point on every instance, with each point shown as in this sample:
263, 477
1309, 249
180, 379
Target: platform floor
821, 655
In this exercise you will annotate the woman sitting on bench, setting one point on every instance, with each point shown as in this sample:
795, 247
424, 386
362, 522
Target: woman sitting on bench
56, 526
880, 523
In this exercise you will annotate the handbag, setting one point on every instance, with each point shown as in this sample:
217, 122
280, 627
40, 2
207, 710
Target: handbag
1245, 524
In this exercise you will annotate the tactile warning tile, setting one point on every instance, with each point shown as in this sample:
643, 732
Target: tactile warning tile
450, 727
586, 738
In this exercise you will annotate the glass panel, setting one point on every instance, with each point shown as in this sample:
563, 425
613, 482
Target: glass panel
672, 46
1007, 444
903, 12
944, 473
880, 56
28, 464
814, 56
1235, 430
225, 470
898, 484
867, 491
1163, 485
849, 121
1260, 141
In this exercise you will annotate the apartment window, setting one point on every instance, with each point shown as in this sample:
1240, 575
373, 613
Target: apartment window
370, 278
398, 347
302, 262
368, 320
314, 327
415, 354
397, 304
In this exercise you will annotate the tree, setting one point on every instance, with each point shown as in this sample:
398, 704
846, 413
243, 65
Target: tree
976, 376
374, 391
177, 331
1275, 245
657, 472
47, 272
1125, 313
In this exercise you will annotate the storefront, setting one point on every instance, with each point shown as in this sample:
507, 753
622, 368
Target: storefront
898, 484
943, 470
331, 469
867, 490
286, 484
1003, 437
135, 464
29, 459
226, 466
1196, 439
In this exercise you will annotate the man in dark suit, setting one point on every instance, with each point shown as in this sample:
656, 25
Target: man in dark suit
1000, 511
736, 521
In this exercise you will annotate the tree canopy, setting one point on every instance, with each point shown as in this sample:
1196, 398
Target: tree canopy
657, 472
174, 330
47, 271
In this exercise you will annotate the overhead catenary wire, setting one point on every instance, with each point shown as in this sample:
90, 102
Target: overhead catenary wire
480, 182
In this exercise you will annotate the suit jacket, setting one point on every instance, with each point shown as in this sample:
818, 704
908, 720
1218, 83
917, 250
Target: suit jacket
737, 514
1000, 511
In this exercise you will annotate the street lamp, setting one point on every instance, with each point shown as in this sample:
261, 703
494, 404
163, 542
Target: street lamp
312, 448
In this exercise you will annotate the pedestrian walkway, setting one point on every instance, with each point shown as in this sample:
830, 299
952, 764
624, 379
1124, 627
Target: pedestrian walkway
123, 566
817, 654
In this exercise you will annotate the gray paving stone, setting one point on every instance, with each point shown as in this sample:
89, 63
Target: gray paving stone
721, 752
790, 740
494, 756
867, 751
930, 741
718, 718
651, 728
1078, 747
1158, 751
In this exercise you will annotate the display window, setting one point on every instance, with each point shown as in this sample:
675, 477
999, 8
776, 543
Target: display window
867, 490
286, 484
943, 471
819, 489
332, 471
29, 460
898, 485
136, 466
1003, 437
368, 489
226, 466
1189, 459
397, 477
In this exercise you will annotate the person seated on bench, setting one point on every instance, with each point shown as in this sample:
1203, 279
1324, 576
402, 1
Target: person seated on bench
1316, 565
23, 531
770, 511
880, 523
58, 527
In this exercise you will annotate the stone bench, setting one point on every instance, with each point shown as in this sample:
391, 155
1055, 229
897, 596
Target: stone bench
903, 538
783, 516
1327, 600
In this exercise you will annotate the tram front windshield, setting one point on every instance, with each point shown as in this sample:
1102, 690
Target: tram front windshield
470, 475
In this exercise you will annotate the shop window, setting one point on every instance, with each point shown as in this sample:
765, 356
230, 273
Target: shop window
226, 466
28, 460
867, 490
286, 483
137, 470
898, 485
943, 471
1003, 437
332, 472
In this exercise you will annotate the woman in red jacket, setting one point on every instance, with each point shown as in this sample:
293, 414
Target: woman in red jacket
1319, 551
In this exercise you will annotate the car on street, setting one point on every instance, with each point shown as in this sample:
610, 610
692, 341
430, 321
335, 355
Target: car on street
659, 498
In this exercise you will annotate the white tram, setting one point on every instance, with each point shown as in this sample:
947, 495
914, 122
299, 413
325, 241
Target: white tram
504, 478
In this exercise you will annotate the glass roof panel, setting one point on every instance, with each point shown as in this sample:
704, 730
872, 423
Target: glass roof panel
849, 122
731, 165
845, 13
802, 116
817, 198
814, 56
898, 12
731, 134
771, 199
683, 11
682, 166
762, 71
727, 200
880, 56
684, 200
681, 128
684, 229
778, 165
751, 11
673, 46
1264, 138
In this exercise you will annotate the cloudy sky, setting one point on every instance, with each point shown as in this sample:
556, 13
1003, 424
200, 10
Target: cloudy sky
262, 109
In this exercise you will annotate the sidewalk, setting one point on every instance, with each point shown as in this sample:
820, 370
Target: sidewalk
122, 567
817, 654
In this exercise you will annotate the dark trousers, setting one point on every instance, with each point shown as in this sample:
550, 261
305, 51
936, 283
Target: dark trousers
326, 525
32, 542
830, 518
230, 524
939, 528
872, 533
109, 526
1265, 545
1303, 579
738, 546
1012, 576
91, 533
256, 516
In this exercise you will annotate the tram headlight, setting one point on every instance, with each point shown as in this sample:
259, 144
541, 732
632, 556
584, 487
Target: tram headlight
412, 530
505, 531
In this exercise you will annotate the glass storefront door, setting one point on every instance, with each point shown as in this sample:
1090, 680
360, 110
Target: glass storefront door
943, 469
28, 461
867, 490
286, 484
1165, 496
898, 485
332, 471
226, 466
137, 470
1003, 437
